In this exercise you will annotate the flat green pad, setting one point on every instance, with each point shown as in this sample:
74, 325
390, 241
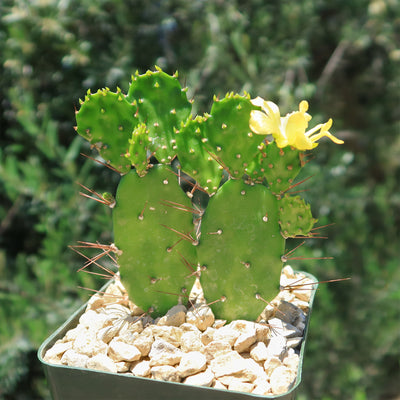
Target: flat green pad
162, 106
295, 217
106, 119
151, 263
240, 248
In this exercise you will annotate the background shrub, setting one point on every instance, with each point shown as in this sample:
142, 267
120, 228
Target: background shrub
341, 56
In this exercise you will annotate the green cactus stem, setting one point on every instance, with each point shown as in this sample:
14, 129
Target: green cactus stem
162, 106
295, 217
106, 120
154, 239
240, 249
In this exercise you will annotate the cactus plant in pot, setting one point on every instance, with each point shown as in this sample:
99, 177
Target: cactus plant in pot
201, 217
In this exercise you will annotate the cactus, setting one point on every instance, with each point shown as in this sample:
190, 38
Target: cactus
202, 195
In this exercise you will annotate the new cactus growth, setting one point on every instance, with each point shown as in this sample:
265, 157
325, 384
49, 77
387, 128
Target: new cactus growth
202, 196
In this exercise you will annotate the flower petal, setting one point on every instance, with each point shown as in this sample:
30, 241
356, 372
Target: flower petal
259, 123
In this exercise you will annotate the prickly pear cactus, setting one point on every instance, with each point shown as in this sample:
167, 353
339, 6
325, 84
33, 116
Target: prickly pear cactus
215, 200
153, 236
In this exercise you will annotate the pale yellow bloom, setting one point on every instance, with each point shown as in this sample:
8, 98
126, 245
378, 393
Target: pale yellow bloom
290, 130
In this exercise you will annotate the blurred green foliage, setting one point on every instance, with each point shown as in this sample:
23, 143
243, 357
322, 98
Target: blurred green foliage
343, 57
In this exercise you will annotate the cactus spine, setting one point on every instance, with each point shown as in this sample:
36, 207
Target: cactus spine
229, 223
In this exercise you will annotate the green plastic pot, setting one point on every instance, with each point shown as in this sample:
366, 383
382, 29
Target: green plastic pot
71, 383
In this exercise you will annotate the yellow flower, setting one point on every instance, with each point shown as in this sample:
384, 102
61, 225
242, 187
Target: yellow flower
291, 129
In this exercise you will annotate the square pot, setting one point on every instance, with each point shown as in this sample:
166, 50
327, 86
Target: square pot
72, 383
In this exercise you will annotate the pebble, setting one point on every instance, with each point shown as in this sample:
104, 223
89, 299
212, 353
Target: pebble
205, 378
144, 342
191, 341
86, 343
201, 316
72, 358
191, 363
276, 346
120, 351
141, 368
217, 347
101, 362
175, 316
164, 353
189, 345
165, 373
259, 352
282, 379
283, 328
170, 334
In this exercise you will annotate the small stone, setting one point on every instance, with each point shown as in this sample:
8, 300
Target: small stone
263, 333
74, 359
252, 372
267, 313
227, 334
218, 323
164, 353
207, 336
241, 387
95, 302
271, 364
128, 337
165, 373
217, 347
101, 362
132, 325
290, 313
205, 378
228, 364
141, 368
175, 316
281, 380
186, 327
292, 362
242, 326
286, 295
200, 316
284, 328
122, 366
303, 305
93, 320
191, 363
144, 342
276, 346
259, 352
170, 334
245, 341
57, 350
86, 343
218, 385
262, 389
120, 351
72, 334
293, 342
228, 380
196, 295
107, 333
191, 341
303, 294
287, 271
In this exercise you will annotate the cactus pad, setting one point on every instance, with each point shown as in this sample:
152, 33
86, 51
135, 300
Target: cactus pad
240, 249
281, 166
162, 106
146, 232
106, 119
295, 217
